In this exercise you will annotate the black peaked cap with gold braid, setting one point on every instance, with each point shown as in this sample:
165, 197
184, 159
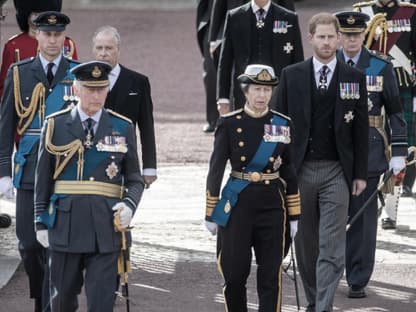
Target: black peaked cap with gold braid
92, 74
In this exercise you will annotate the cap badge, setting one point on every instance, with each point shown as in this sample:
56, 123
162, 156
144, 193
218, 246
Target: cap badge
96, 73
351, 20
52, 20
264, 76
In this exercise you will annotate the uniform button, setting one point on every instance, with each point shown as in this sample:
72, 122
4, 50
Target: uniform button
268, 171
50, 90
243, 168
267, 182
241, 143
92, 179
271, 159
243, 158
238, 117
239, 130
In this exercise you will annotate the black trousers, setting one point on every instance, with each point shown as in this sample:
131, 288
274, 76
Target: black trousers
362, 238
258, 221
34, 256
210, 82
67, 278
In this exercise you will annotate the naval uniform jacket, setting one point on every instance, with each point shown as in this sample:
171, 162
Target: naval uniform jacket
131, 97
237, 47
384, 95
31, 73
237, 139
351, 135
84, 223
401, 38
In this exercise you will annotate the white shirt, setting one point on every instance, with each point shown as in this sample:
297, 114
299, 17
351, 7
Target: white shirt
45, 63
255, 7
317, 65
113, 75
354, 59
83, 116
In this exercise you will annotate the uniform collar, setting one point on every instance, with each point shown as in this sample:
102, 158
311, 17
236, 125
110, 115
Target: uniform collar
389, 4
355, 58
83, 116
254, 114
45, 62
317, 65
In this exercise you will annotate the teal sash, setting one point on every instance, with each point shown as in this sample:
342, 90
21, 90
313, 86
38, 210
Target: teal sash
233, 187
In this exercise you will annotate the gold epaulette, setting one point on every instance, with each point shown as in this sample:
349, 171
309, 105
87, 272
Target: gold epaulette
60, 112
407, 4
233, 113
293, 204
280, 114
212, 201
363, 4
119, 115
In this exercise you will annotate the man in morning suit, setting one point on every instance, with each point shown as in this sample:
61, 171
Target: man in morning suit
259, 32
330, 117
34, 88
129, 95
88, 183
383, 103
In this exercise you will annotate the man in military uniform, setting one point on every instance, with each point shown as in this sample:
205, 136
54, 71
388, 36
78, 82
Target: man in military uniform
88, 173
259, 32
330, 115
129, 95
392, 31
259, 206
34, 88
383, 102
25, 45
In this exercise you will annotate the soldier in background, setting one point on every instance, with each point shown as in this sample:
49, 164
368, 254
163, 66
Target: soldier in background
383, 106
258, 32
25, 45
203, 19
34, 88
392, 31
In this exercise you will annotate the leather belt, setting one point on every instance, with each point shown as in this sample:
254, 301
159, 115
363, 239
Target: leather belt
375, 121
255, 176
88, 188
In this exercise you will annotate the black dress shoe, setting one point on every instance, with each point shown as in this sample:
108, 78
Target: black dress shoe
407, 192
5, 220
208, 128
356, 292
388, 224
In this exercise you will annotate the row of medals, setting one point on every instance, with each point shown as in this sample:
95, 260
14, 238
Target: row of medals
69, 94
349, 90
399, 25
279, 27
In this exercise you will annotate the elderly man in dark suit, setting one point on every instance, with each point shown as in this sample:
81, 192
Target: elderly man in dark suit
330, 117
129, 95
259, 32
87, 175
33, 89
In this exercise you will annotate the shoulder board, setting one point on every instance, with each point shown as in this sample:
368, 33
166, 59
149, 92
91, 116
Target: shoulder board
15, 36
60, 112
407, 4
280, 114
363, 4
25, 61
119, 115
233, 113
379, 55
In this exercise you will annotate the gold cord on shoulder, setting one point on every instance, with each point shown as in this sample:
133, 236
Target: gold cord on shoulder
377, 30
26, 114
67, 151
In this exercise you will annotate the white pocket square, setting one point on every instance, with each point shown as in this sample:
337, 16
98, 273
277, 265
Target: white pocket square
133, 93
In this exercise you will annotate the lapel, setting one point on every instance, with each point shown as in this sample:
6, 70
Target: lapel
104, 126
364, 60
274, 16
340, 75
61, 72
39, 72
74, 125
120, 89
306, 75
245, 29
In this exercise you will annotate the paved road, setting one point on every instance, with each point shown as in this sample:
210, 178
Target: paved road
173, 255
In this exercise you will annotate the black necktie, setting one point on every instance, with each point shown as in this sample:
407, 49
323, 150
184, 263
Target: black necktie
89, 126
260, 18
323, 78
351, 62
49, 73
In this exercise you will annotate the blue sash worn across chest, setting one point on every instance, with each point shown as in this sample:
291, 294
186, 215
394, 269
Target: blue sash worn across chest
375, 67
233, 187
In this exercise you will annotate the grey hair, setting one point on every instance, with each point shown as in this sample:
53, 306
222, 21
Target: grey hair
108, 29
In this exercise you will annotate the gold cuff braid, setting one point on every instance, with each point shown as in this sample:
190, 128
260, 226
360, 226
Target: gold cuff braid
293, 204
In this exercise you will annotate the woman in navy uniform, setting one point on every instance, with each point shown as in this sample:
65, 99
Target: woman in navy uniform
259, 205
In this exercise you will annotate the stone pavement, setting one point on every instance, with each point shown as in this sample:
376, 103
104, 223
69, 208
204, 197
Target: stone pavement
174, 256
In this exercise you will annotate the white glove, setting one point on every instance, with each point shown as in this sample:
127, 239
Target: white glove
397, 163
43, 238
126, 214
293, 228
212, 227
6, 187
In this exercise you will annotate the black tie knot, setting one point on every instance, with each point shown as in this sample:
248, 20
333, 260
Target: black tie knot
49, 73
323, 73
350, 62
260, 14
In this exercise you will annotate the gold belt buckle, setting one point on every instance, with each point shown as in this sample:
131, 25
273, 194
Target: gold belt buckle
255, 176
